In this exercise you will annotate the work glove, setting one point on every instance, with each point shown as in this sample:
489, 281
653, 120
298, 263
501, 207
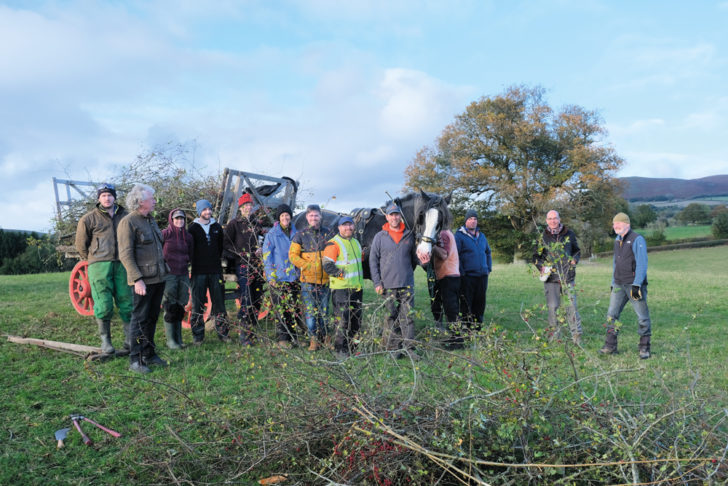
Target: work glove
636, 292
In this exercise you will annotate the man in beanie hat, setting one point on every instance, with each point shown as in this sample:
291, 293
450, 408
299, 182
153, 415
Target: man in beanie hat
475, 266
207, 238
96, 242
556, 256
629, 283
240, 247
282, 276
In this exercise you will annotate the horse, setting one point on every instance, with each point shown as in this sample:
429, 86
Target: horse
423, 213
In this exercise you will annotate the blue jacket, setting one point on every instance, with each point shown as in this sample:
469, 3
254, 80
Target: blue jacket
275, 255
474, 252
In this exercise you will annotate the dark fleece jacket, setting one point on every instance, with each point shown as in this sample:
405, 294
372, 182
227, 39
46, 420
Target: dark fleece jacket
178, 247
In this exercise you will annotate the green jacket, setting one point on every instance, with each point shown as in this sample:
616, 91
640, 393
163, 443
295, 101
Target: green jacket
140, 249
96, 235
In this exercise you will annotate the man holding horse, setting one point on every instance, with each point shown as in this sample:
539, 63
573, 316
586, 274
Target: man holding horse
392, 262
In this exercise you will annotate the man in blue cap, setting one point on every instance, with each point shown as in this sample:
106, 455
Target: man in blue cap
343, 262
392, 261
207, 236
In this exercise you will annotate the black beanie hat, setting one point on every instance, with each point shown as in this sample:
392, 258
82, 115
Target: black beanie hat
283, 208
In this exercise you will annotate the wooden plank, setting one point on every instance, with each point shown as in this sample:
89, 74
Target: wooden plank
57, 345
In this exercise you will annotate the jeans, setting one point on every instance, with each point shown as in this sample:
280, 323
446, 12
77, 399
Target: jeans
144, 322
617, 300
554, 291
399, 330
315, 308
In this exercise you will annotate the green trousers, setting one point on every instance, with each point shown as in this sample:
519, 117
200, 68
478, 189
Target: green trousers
108, 283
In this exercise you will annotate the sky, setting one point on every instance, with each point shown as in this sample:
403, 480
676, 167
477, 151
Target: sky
340, 95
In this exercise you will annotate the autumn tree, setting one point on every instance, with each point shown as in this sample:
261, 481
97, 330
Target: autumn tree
515, 154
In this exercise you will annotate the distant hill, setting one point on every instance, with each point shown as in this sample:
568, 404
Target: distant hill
657, 189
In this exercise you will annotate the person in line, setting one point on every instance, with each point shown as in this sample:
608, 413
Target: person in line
282, 276
178, 250
343, 263
556, 257
96, 242
392, 261
475, 266
141, 253
241, 248
207, 237
629, 283
306, 253
446, 286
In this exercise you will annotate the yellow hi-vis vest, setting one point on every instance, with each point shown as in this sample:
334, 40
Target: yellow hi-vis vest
349, 260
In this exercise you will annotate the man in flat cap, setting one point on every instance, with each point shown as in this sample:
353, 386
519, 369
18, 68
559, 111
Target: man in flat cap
629, 283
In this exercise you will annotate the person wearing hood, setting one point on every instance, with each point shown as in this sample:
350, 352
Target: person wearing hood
392, 262
282, 277
96, 242
178, 251
241, 247
475, 266
207, 241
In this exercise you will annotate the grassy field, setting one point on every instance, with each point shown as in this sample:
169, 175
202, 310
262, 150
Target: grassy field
673, 233
221, 413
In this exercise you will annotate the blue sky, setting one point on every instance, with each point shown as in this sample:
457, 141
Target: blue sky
341, 94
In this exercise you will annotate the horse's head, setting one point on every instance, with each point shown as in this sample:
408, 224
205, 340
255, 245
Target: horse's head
431, 214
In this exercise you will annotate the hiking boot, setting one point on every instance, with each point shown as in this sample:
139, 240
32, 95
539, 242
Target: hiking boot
196, 342
313, 345
644, 347
137, 367
341, 355
610, 343
576, 339
283, 344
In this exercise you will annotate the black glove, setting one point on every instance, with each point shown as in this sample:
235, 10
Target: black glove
636, 293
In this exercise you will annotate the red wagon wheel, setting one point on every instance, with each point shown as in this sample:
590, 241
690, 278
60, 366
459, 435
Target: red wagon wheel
79, 289
188, 311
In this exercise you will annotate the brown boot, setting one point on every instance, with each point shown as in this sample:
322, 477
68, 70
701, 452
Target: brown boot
314, 344
610, 343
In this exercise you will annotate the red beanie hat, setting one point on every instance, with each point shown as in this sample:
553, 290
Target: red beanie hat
245, 198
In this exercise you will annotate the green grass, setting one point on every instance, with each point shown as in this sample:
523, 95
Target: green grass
673, 233
218, 410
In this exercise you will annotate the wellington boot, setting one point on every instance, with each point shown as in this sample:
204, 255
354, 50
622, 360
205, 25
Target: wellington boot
127, 336
105, 333
169, 329
314, 345
178, 334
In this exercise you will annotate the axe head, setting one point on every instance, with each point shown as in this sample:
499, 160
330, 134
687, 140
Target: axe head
61, 435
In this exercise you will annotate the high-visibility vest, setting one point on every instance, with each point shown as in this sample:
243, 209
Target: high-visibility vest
349, 260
